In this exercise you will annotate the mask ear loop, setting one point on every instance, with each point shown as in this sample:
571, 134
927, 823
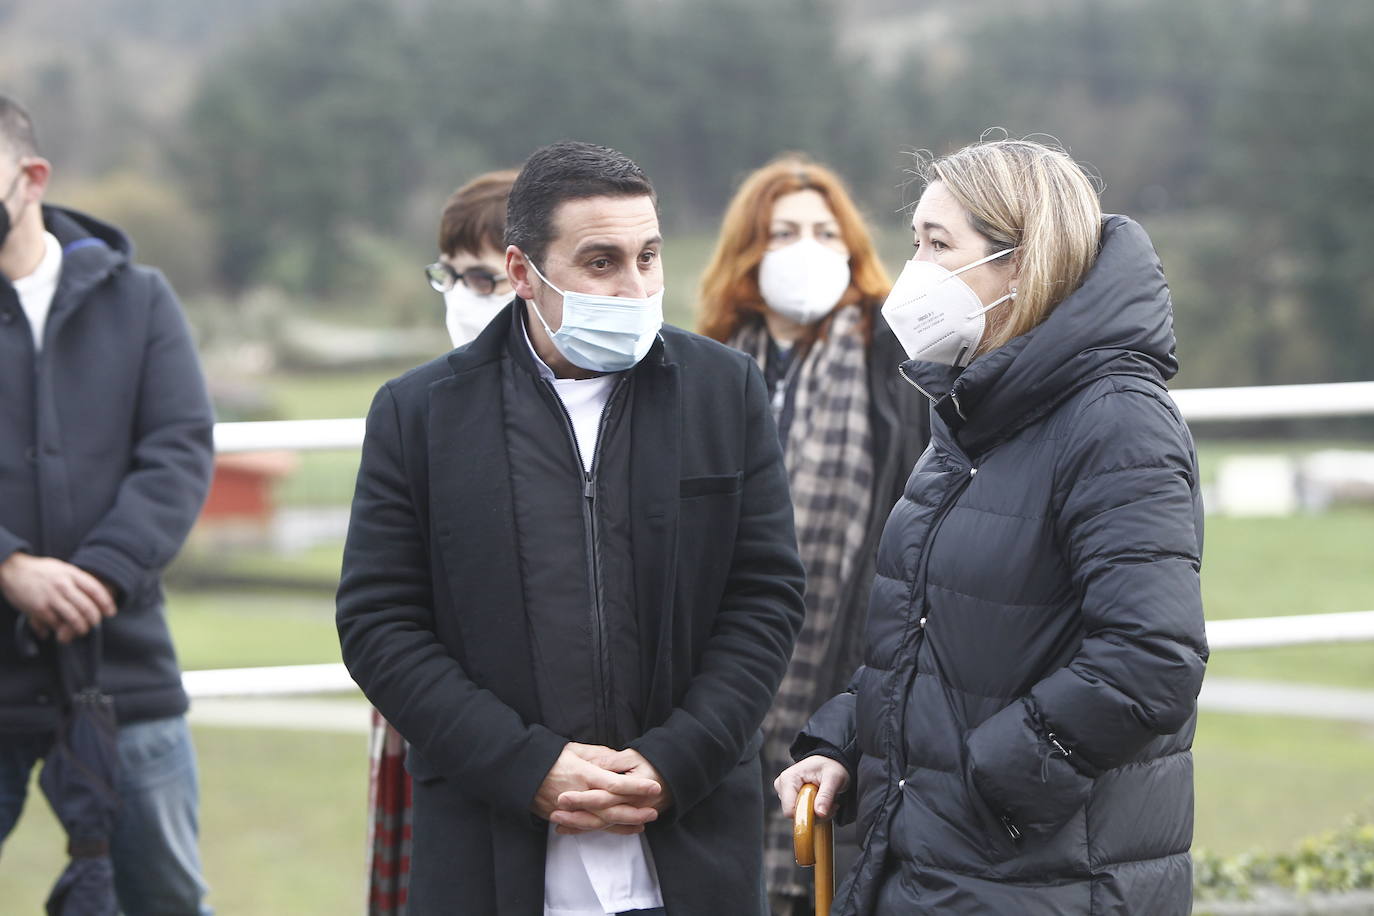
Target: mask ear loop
538, 314
990, 306
9, 192
15, 183
996, 302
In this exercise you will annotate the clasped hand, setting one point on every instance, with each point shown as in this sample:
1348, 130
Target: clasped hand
58, 599
596, 788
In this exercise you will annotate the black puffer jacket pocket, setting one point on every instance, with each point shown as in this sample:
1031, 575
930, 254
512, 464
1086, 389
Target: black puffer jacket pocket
1024, 774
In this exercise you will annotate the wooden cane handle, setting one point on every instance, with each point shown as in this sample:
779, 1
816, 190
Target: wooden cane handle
813, 843
804, 826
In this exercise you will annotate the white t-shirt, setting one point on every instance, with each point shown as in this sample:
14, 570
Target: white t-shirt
585, 400
36, 290
592, 874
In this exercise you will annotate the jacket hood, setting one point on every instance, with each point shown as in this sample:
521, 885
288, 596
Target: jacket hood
77, 230
1119, 321
91, 248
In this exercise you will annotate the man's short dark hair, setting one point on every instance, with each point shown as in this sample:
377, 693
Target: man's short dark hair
16, 129
562, 171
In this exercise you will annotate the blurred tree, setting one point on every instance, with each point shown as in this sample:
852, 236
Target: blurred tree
1245, 123
697, 92
336, 114
744, 82
1293, 168
167, 231
1236, 126
1129, 86
301, 134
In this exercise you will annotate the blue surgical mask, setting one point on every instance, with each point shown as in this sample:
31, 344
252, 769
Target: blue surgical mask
603, 333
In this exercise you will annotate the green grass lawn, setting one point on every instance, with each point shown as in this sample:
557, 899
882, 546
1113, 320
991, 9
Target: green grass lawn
1263, 783
282, 819
1303, 564
323, 395
282, 827
250, 629
321, 479
319, 564
283, 814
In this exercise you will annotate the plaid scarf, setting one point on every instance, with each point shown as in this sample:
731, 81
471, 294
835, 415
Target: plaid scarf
388, 823
829, 458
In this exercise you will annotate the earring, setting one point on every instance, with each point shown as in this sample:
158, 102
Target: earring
1013, 293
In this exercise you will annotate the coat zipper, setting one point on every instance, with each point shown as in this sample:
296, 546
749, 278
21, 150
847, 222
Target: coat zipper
601, 713
922, 577
901, 370
885, 811
1053, 740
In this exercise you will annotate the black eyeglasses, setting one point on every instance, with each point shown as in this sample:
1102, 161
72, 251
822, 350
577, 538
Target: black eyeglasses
481, 281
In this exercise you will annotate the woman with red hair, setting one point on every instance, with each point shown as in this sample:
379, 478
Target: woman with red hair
796, 283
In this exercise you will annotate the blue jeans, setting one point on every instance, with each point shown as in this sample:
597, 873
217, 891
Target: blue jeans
153, 848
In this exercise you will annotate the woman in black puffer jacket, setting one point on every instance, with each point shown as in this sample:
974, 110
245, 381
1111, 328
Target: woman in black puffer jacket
1018, 738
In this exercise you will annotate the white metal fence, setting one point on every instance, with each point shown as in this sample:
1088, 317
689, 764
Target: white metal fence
1265, 402
1268, 402
1252, 633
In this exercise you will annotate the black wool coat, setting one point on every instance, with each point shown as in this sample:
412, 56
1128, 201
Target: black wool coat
1021, 728
432, 621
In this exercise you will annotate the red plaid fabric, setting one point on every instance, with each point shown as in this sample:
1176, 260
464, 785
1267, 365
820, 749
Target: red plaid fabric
388, 823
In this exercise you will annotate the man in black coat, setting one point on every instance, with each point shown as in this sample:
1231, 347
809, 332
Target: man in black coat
571, 579
105, 459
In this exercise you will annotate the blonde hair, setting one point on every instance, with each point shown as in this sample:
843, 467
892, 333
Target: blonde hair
1035, 198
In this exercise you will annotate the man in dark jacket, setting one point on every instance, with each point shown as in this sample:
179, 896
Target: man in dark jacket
571, 579
105, 457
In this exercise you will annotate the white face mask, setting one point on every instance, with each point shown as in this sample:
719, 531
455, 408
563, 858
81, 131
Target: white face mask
803, 281
603, 333
466, 313
937, 317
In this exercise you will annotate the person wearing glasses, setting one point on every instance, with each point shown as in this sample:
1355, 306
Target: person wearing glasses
471, 270
471, 275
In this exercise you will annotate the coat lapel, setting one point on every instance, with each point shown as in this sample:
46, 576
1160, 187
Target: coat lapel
655, 455
473, 510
